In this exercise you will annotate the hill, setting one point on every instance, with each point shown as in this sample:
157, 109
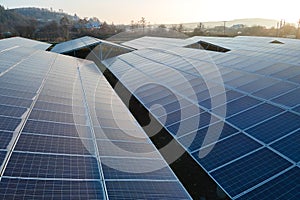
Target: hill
42, 14
268, 23
12, 22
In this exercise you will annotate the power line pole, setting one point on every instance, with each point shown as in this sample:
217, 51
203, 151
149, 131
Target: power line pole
277, 31
298, 33
224, 27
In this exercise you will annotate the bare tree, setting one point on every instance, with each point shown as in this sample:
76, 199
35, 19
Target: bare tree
180, 28
143, 23
162, 26
65, 23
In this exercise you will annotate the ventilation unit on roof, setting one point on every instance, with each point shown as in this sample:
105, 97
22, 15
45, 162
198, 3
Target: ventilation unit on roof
207, 46
276, 42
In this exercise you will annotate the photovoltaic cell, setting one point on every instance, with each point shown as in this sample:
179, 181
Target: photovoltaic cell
249, 171
9, 123
236, 106
274, 90
226, 150
111, 166
136, 190
12, 111
276, 127
5, 100
297, 109
2, 156
126, 149
194, 140
254, 115
285, 186
290, 99
52, 144
5, 138
52, 166
48, 189
295, 79
52, 128
289, 146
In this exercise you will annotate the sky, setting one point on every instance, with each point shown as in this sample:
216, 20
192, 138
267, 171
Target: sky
168, 11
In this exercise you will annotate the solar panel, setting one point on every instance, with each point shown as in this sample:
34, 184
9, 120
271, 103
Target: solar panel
75, 44
14, 42
146, 42
65, 134
258, 141
83, 42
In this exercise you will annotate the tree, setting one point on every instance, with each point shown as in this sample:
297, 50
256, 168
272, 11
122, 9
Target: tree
132, 25
27, 30
199, 29
288, 29
65, 23
180, 28
143, 23
162, 26
174, 27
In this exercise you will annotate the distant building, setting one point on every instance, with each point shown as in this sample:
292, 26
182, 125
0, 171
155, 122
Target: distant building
238, 26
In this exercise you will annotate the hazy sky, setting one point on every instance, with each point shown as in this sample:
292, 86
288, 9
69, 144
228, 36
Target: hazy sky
169, 11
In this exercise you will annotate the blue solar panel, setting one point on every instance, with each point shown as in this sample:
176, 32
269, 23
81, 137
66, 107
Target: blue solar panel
57, 117
257, 85
230, 95
286, 73
297, 109
12, 111
290, 99
285, 186
119, 135
295, 79
139, 165
254, 115
52, 128
8, 123
138, 149
289, 146
16, 93
274, 90
277, 67
252, 106
201, 120
50, 189
52, 166
60, 130
250, 171
226, 151
55, 153
236, 106
197, 137
136, 190
242, 80
5, 100
51, 144
54, 107
5, 138
276, 127
2, 156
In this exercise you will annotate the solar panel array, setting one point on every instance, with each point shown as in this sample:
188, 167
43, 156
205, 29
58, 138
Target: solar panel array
146, 41
65, 134
83, 42
75, 44
22, 42
256, 156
